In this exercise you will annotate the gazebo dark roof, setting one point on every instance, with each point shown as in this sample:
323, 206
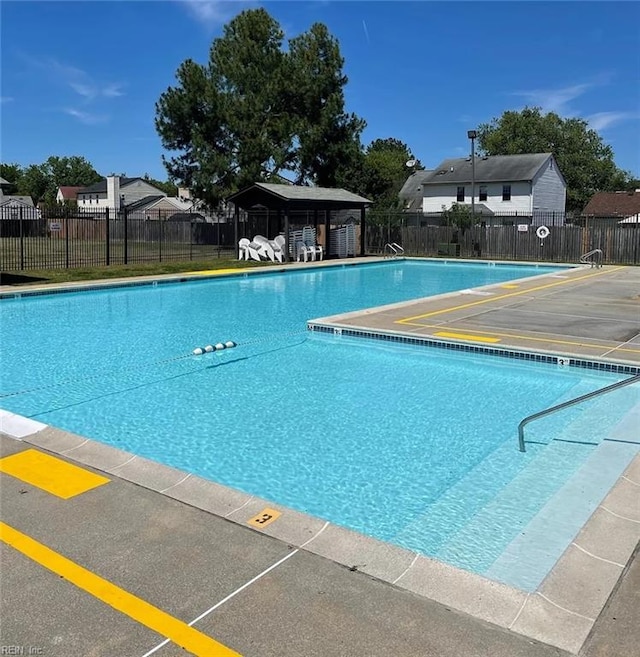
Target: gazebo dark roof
295, 197
290, 198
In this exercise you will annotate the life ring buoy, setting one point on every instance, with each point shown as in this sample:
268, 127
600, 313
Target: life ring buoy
542, 232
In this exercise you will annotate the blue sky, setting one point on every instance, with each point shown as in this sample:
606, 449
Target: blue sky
82, 78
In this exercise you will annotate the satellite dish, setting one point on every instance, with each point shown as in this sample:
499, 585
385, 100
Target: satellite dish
410, 163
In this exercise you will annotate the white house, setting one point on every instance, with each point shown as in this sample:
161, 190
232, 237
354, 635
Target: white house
115, 193
529, 185
67, 194
13, 207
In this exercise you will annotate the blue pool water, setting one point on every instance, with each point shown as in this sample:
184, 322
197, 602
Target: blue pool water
412, 446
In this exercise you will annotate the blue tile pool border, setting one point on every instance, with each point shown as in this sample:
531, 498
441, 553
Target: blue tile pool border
602, 366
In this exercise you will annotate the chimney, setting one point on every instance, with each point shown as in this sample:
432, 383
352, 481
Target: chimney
113, 192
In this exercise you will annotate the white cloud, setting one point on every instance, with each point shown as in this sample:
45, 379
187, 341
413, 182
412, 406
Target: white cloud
555, 100
366, 31
602, 120
214, 12
88, 118
78, 80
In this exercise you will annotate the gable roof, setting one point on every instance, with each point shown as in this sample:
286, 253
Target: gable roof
101, 186
4, 182
8, 201
411, 191
143, 202
296, 197
301, 193
492, 168
68, 192
613, 204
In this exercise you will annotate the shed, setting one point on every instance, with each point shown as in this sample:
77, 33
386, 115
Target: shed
285, 199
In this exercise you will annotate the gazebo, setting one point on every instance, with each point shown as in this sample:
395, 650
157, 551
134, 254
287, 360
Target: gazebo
285, 199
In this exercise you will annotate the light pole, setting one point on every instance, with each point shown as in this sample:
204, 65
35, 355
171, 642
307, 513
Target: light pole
472, 134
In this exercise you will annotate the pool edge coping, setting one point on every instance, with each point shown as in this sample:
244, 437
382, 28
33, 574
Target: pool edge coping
535, 615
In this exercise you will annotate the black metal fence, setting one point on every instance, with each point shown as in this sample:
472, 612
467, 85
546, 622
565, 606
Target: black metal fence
507, 237
34, 239
59, 238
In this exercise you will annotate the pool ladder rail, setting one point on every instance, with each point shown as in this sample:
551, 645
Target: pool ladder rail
572, 402
593, 258
393, 250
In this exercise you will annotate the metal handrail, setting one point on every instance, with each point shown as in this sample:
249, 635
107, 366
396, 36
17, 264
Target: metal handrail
394, 248
571, 402
595, 262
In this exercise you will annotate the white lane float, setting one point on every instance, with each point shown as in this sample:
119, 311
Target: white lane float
229, 344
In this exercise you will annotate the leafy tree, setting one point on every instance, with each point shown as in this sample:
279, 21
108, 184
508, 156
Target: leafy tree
12, 173
328, 138
385, 171
459, 216
585, 161
41, 181
35, 183
256, 110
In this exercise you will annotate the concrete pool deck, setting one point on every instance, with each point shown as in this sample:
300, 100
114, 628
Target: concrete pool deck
275, 581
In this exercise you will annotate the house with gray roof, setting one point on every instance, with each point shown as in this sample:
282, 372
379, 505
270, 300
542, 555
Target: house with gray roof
411, 193
134, 194
12, 205
529, 186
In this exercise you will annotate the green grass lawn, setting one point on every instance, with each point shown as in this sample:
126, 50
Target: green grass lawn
40, 276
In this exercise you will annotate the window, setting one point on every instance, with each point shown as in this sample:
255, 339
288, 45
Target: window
460, 195
482, 193
506, 192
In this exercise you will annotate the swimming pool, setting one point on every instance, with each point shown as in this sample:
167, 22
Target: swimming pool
412, 446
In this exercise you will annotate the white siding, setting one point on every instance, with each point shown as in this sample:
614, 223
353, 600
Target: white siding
92, 202
549, 190
138, 190
131, 192
436, 196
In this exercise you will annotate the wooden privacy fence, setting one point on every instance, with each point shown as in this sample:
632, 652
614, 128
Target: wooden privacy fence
620, 243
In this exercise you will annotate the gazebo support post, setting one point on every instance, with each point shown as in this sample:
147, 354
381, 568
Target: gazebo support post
286, 233
362, 230
327, 228
236, 227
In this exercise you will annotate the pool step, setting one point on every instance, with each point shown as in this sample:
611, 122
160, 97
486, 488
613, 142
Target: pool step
457, 505
483, 539
463, 500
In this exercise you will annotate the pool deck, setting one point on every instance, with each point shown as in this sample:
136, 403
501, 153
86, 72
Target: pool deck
170, 548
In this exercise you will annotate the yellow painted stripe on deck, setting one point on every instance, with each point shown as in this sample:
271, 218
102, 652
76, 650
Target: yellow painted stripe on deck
491, 299
510, 286
464, 336
215, 272
139, 610
264, 518
51, 474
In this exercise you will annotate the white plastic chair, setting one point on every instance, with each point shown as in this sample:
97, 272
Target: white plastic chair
309, 240
265, 248
279, 245
302, 251
247, 250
